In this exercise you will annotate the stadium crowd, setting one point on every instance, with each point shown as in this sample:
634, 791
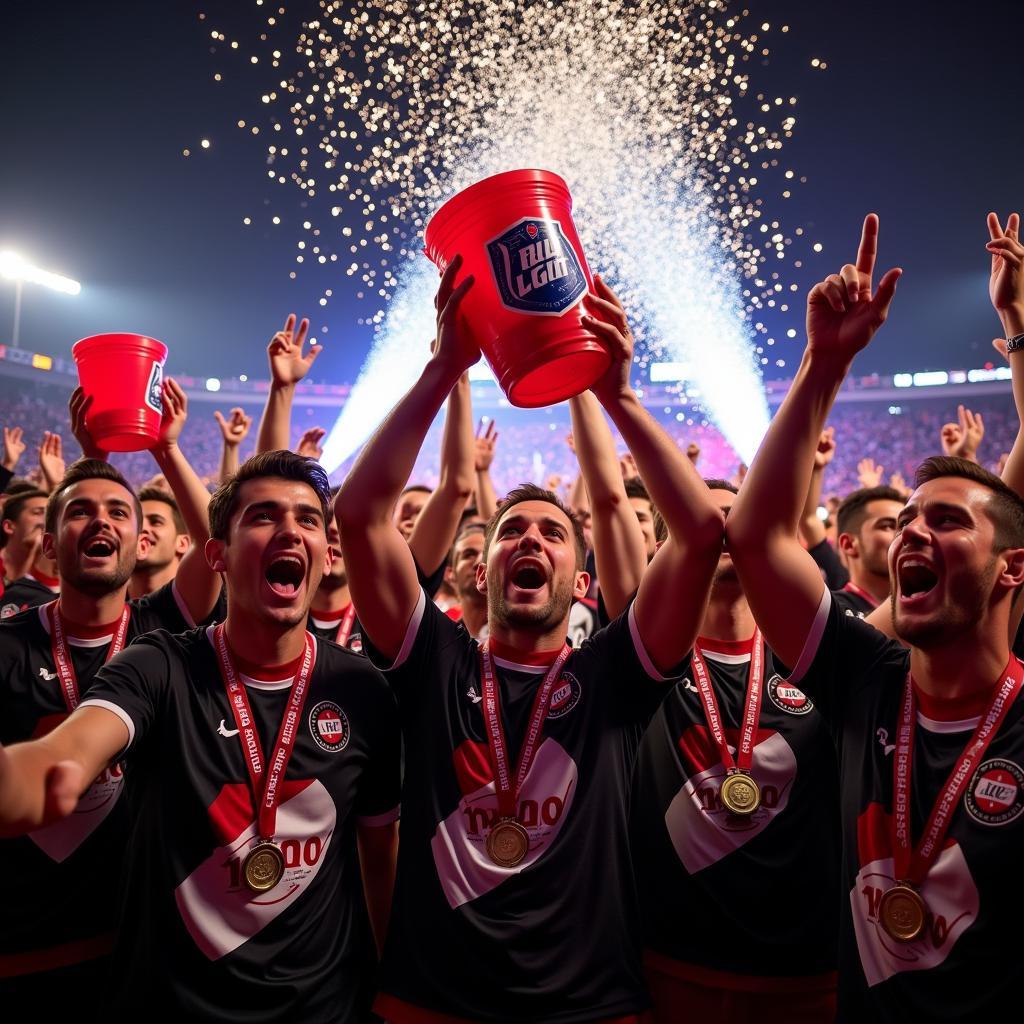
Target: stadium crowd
666, 744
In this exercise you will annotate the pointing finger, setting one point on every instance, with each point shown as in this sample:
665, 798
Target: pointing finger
868, 248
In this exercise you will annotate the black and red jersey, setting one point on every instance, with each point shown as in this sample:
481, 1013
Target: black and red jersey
728, 893
555, 938
193, 939
327, 626
853, 602
28, 592
61, 909
965, 965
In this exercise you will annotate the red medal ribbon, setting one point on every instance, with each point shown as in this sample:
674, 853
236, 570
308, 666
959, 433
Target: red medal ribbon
852, 588
508, 795
345, 628
913, 865
268, 799
751, 707
61, 658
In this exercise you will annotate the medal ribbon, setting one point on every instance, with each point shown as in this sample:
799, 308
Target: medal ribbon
913, 865
345, 627
508, 794
751, 707
268, 799
852, 588
61, 658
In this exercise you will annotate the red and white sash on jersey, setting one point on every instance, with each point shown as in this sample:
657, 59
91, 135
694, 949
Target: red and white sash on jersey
268, 797
508, 790
852, 588
912, 865
345, 626
751, 708
61, 658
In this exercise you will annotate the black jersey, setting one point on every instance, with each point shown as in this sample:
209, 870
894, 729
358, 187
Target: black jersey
734, 893
965, 965
328, 626
555, 938
193, 940
27, 592
852, 603
836, 574
61, 909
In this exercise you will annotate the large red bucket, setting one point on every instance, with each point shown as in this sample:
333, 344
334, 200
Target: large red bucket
516, 236
123, 374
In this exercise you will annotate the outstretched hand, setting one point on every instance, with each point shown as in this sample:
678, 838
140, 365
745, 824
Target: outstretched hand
51, 459
288, 365
454, 344
826, 450
606, 318
233, 430
869, 472
844, 311
14, 447
309, 444
78, 407
962, 438
1006, 283
483, 446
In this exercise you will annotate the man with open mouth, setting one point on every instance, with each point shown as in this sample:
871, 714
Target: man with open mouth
514, 897
930, 737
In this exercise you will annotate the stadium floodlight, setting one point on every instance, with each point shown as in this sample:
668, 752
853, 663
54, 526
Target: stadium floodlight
18, 269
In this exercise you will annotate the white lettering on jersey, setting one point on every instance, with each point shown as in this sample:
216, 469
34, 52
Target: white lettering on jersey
463, 867
703, 832
883, 742
60, 839
225, 731
48, 676
952, 899
220, 912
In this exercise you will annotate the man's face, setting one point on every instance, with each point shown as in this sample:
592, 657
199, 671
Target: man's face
645, 517
871, 542
27, 530
337, 576
408, 510
469, 549
166, 545
530, 576
97, 538
725, 571
276, 551
942, 569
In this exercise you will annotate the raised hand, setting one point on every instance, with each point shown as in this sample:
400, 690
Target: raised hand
1006, 283
898, 483
51, 459
844, 311
962, 438
174, 415
628, 466
288, 365
693, 452
607, 320
14, 447
235, 429
869, 472
483, 446
78, 408
571, 442
454, 344
309, 443
826, 450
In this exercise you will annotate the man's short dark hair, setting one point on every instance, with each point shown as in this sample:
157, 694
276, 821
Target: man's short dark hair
18, 485
717, 484
15, 505
416, 487
86, 469
531, 492
156, 494
282, 464
853, 509
1006, 509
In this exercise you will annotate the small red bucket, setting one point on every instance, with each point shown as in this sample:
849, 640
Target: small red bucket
123, 374
516, 236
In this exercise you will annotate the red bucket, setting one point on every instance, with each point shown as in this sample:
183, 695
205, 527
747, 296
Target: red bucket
123, 374
516, 236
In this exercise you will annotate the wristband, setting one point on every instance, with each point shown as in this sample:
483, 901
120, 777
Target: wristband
1014, 344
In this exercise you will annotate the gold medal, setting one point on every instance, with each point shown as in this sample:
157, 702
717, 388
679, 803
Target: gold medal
902, 912
740, 794
507, 843
263, 867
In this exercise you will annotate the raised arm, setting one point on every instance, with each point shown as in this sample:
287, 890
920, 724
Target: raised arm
233, 431
483, 455
41, 780
287, 367
381, 570
674, 589
780, 580
437, 523
812, 529
619, 549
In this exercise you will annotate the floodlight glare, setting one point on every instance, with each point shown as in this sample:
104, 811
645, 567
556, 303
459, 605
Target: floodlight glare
17, 268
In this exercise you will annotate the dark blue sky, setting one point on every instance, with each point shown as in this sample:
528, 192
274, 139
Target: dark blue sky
917, 118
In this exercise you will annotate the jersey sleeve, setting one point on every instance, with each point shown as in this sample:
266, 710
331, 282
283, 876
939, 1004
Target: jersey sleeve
163, 609
133, 685
431, 582
378, 801
836, 576
840, 657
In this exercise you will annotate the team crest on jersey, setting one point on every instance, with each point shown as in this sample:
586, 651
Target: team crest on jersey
995, 795
329, 726
535, 268
787, 697
566, 696
8, 610
355, 643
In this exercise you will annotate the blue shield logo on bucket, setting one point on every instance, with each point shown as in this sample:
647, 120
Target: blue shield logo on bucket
535, 268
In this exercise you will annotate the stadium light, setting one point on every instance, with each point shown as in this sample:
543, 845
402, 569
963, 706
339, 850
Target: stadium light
18, 269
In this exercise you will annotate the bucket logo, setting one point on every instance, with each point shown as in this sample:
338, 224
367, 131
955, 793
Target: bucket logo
536, 268
155, 388
566, 696
995, 795
787, 697
329, 726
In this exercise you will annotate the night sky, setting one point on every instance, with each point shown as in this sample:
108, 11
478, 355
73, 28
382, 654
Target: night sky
917, 118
